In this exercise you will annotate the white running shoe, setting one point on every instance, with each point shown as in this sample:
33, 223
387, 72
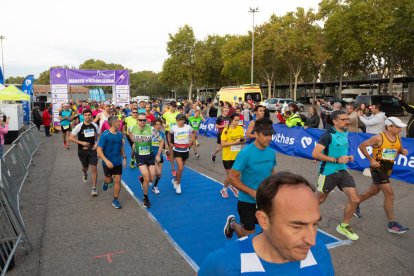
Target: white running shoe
174, 183
155, 190
178, 189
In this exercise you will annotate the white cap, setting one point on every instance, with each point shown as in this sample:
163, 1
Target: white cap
394, 121
107, 103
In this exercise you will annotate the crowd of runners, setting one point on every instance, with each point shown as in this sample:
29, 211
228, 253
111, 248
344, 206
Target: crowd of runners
167, 132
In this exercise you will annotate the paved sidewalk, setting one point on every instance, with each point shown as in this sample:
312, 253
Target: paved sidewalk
72, 232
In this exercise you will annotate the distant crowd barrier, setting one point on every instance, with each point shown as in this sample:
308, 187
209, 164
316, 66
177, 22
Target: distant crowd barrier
15, 165
300, 142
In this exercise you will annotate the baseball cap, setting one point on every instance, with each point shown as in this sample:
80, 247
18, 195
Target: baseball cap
394, 121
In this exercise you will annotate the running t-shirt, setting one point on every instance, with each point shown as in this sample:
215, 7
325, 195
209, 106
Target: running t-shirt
65, 113
222, 121
143, 139
106, 126
156, 140
195, 122
227, 261
102, 118
170, 119
254, 165
336, 145
181, 137
86, 133
111, 145
130, 122
231, 135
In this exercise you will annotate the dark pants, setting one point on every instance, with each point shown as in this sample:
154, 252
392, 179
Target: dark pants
47, 130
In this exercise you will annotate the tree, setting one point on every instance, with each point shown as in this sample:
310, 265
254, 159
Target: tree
14, 80
236, 59
179, 67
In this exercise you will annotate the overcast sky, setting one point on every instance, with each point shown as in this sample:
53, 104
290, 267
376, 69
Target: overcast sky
43, 33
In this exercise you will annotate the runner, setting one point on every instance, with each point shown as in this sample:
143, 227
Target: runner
253, 164
170, 120
221, 123
183, 139
148, 114
129, 123
86, 135
332, 150
231, 140
104, 115
142, 135
259, 112
65, 117
195, 122
157, 146
385, 148
288, 214
111, 151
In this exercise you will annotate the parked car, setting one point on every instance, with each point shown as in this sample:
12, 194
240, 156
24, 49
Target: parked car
389, 104
275, 104
334, 100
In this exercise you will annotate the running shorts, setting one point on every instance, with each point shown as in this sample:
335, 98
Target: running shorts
341, 179
228, 164
247, 213
66, 129
88, 157
181, 154
380, 177
147, 160
116, 170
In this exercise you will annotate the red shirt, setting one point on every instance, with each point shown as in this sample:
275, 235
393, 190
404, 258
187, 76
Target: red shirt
150, 118
47, 119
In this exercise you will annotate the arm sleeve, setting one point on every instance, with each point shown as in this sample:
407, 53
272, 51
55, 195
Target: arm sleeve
102, 141
325, 139
370, 121
76, 130
98, 131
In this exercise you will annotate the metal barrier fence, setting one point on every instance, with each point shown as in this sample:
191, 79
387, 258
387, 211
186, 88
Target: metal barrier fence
14, 168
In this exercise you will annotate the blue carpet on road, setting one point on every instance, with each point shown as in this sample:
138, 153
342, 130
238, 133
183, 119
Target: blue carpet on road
195, 219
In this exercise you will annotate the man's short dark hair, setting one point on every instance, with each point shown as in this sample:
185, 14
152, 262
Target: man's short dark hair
378, 106
334, 115
264, 125
86, 111
270, 186
257, 107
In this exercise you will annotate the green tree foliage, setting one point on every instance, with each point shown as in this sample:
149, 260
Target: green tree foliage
14, 80
236, 58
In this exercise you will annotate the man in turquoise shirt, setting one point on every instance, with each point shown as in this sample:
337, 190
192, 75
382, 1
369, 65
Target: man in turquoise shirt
253, 164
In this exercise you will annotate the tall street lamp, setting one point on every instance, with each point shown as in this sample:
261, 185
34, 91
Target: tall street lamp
253, 11
2, 58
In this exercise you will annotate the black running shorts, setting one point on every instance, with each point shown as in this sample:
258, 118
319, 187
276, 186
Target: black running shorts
116, 170
380, 177
228, 164
341, 179
144, 160
88, 157
180, 154
247, 213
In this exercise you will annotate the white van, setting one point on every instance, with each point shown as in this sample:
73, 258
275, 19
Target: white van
140, 98
349, 94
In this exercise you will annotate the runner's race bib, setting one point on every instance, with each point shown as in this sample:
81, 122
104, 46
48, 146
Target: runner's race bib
182, 136
389, 154
65, 127
235, 148
89, 133
144, 150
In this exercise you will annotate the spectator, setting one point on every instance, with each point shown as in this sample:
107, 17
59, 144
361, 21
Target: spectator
294, 119
280, 117
353, 122
410, 125
4, 129
37, 118
374, 123
47, 120
313, 119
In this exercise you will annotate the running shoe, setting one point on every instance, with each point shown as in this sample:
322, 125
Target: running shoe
155, 190
234, 191
357, 212
116, 204
146, 202
396, 228
174, 173
141, 179
213, 157
224, 193
228, 230
104, 187
85, 177
94, 192
178, 190
132, 164
174, 183
347, 231
167, 155
197, 156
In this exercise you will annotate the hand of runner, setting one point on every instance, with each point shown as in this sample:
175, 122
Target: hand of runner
374, 163
343, 159
351, 158
158, 159
110, 165
86, 144
404, 151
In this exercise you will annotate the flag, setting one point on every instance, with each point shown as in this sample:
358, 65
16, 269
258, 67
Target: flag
27, 87
1, 76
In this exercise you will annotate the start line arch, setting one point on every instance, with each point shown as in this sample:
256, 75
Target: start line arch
61, 78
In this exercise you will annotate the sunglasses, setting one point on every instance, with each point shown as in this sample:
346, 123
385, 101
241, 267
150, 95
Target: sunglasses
142, 120
134, 112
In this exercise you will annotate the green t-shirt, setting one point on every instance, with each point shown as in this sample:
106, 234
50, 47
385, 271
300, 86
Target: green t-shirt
142, 139
170, 119
130, 122
195, 122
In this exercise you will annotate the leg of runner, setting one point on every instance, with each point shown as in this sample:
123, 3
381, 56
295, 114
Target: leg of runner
158, 171
180, 165
214, 153
145, 184
117, 189
372, 191
195, 147
171, 157
94, 175
67, 134
388, 200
